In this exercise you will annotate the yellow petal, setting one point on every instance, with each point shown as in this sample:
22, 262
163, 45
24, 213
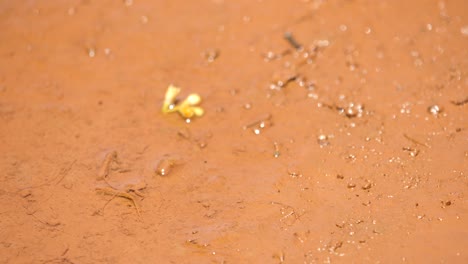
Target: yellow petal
198, 111
186, 112
193, 99
171, 93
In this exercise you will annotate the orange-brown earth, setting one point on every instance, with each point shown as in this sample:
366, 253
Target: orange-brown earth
347, 145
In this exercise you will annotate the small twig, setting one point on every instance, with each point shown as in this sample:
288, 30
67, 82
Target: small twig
277, 153
65, 251
415, 141
280, 256
59, 260
290, 79
105, 167
63, 173
459, 103
45, 222
116, 193
143, 150
412, 152
105, 205
291, 40
260, 120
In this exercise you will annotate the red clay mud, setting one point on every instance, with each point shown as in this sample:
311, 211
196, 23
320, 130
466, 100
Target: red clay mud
333, 131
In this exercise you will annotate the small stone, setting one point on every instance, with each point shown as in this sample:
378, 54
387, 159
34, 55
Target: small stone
269, 56
354, 110
91, 52
294, 173
446, 203
323, 141
434, 110
211, 55
367, 186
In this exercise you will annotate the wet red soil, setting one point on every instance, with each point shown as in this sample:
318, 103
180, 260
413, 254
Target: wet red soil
347, 144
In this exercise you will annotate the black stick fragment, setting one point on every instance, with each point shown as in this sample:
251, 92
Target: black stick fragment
458, 103
289, 37
290, 79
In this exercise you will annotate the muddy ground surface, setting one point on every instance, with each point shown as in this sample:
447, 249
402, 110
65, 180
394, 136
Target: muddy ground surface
345, 144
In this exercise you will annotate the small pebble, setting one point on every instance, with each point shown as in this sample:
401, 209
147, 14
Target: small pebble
322, 140
91, 52
434, 110
210, 55
367, 186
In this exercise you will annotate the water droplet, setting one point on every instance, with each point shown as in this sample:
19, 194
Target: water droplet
164, 167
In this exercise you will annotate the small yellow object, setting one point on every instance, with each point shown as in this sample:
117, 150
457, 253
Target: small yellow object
187, 108
192, 100
171, 93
